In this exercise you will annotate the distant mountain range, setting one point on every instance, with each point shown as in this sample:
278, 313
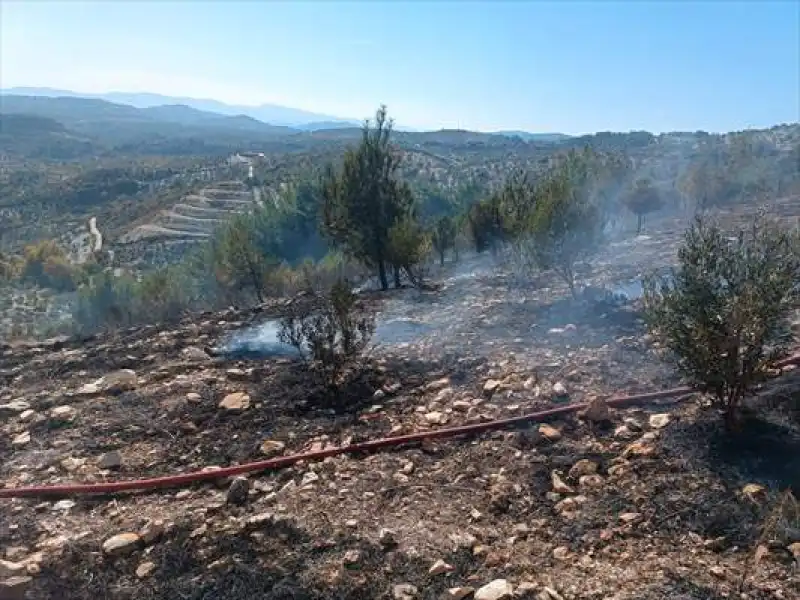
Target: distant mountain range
192, 111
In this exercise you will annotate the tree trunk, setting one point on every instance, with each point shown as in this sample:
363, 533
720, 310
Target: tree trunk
397, 283
639, 223
441, 258
382, 275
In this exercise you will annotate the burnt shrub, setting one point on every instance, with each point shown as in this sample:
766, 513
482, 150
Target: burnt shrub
723, 314
332, 336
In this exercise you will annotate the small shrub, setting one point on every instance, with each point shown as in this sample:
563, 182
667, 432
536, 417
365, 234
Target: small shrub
723, 313
443, 236
332, 339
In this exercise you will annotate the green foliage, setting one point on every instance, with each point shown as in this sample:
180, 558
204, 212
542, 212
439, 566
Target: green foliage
366, 198
408, 246
723, 313
240, 254
46, 264
567, 221
333, 337
109, 301
641, 199
443, 236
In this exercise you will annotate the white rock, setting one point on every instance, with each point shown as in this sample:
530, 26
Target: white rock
62, 413
235, 402
404, 591
123, 543
440, 568
499, 589
23, 439
459, 593
659, 421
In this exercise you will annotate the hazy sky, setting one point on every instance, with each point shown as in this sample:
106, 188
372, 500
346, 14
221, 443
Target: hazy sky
566, 66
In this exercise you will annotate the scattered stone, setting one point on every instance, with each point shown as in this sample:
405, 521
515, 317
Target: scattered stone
387, 538
10, 569
459, 593
794, 549
110, 460
440, 568
559, 487
560, 390
717, 571
152, 531
117, 382
583, 467
272, 447
235, 402
436, 418
490, 387
14, 408
639, 448
754, 492
550, 432
238, 491
27, 415
309, 478
462, 405
120, 544
525, 589
659, 421
549, 593
194, 353
15, 588
64, 505
561, 553
351, 557
630, 517
623, 432
597, 411
437, 385
499, 589
62, 413
23, 439
404, 591
591, 481
193, 397
145, 569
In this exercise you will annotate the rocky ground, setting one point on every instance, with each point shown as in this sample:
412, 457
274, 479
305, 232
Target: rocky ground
658, 505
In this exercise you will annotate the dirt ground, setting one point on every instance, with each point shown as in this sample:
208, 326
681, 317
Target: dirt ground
659, 505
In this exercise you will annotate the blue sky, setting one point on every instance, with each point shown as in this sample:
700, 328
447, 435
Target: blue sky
573, 67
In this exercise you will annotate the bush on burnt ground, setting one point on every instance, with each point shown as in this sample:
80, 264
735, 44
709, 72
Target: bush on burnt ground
723, 313
333, 338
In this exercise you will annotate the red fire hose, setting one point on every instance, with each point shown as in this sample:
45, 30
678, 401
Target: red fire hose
285, 461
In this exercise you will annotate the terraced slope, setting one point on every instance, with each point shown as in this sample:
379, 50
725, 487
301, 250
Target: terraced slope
197, 216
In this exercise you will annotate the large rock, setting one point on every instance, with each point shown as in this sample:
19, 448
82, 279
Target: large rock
123, 543
236, 401
499, 589
583, 467
272, 447
23, 439
238, 491
116, 382
14, 408
659, 421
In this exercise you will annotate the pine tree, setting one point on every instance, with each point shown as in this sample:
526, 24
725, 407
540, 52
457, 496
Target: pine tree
364, 199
